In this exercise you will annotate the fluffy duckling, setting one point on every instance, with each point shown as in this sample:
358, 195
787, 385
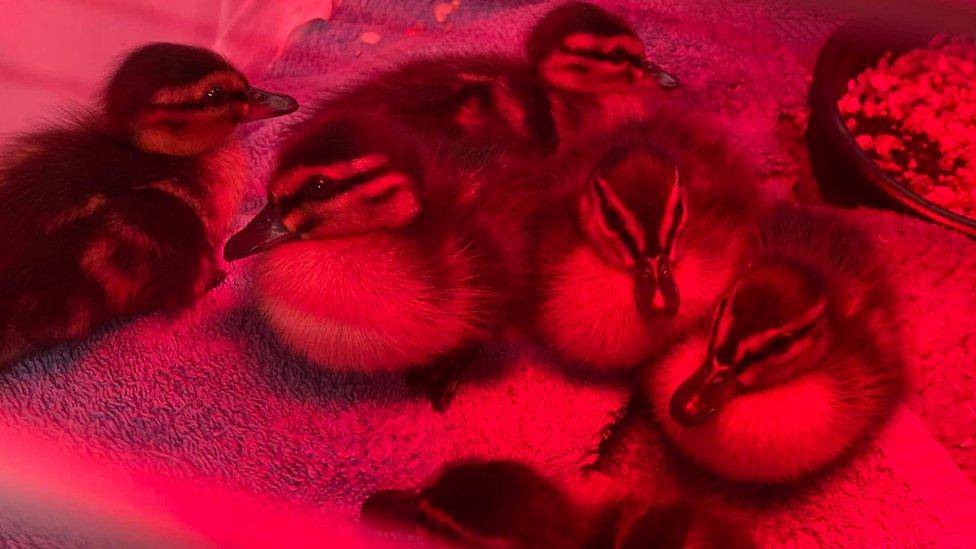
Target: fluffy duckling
649, 230
509, 504
376, 258
594, 65
122, 211
583, 60
800, 362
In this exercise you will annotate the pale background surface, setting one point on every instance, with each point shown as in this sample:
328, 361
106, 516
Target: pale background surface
55, 53
209, 393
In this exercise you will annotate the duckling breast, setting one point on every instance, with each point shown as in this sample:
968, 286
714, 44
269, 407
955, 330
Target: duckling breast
224, 178
779, 434
589, 315
365, 304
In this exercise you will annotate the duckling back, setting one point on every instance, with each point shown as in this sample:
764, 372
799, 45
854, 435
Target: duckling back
510, 504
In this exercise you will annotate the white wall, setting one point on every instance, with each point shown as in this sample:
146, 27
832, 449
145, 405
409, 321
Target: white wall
53, 52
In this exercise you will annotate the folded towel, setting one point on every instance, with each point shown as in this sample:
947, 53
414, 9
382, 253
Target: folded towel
210, 393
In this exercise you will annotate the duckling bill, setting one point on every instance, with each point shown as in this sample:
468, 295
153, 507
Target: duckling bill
122, 210
264, 232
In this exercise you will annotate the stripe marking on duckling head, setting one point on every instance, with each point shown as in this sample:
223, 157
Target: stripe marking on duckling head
580, 47
345, 176
205, 93
360, 194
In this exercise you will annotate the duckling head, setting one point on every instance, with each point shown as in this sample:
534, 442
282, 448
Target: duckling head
338, 179
631, 214
579, 47
183, 100
770, 330
482, 504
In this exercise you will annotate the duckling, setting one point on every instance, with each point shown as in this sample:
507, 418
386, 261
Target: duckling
801, 360
647, 233
121, 212
377, 260
595, 68
510, 504
499, 108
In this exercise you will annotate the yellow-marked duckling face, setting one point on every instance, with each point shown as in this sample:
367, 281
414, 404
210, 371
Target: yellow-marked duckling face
631, 213
340, 179
182, 100
580, 47
769, 330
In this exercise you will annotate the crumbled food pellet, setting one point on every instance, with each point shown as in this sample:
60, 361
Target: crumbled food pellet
915, 116
864, 141
444, 10
417, 28
369, 37
941, 195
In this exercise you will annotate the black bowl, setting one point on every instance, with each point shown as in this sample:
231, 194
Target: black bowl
847, 176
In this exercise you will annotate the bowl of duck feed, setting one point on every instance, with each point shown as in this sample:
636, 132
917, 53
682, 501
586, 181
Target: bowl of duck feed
893, 121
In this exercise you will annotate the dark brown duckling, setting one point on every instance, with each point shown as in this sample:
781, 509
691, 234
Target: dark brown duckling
509, 504
498, 109
801, 360
122, 211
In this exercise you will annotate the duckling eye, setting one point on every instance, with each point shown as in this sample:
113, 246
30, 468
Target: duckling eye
318, 186
215, 95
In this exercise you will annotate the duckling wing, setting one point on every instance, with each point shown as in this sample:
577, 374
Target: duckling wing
52, 177
130, 253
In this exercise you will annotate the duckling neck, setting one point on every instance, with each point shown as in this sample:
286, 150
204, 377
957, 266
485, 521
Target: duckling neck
211, 183
580, 114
